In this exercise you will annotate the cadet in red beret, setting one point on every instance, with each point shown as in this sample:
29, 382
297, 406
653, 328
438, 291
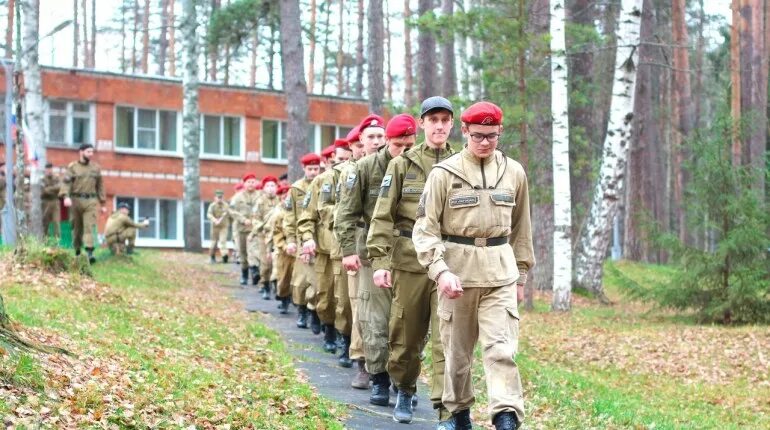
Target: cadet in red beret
327, 153
372, 129
401, 125
248, 176
482, 126
241, 209
483, 113
354, 142
269, 178
310, 159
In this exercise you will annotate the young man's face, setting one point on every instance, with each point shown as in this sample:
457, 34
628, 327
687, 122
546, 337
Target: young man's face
250, 184
397, 145
488, 136
270, 188
358, 149
218, 198
437, 125
312, 171
341, 155
124, 211
373, 139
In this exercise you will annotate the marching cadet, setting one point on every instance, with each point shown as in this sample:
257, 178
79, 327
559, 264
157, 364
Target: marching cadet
83, 192
303, 277
121, 229
218, 214
284, 263
359, 191
50, 199
267, 201
327, 157
315, 229
241, 208
473, 234
395, 263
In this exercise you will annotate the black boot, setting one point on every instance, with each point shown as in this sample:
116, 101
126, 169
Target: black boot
91, 258
344, 360
315, 322
266, 290
254, 275
224, 258
330, 339
274, 286
461, 420
77, 252
506, 421
212, 259
403, 412
302, 316
380, 389
244, 276
130, 250
284, 306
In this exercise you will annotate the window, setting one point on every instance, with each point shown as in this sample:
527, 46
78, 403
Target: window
274, 140
322, 135
69, 123
221, 135
165, 220
146, 129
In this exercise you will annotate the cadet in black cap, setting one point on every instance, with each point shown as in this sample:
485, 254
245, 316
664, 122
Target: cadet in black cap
121, 230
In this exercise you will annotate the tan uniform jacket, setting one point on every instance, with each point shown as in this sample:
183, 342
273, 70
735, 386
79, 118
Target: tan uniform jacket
51, 187
317, 221
262, 212
218, 210
359, 188
276, 225
396, 209
295, 203
117, 222
242, 207
83, 181
462, 199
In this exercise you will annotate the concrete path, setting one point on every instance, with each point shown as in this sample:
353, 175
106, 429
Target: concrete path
323, 372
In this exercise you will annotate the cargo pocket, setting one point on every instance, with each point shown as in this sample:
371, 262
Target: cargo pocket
513, 328
396, 324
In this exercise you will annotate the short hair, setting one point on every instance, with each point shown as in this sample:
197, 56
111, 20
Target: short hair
84, 146
48, 165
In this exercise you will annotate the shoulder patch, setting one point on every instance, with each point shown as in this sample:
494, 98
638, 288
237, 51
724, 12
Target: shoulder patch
326, 187
421, 206
350, 182
306, 200
288, 203
386, 181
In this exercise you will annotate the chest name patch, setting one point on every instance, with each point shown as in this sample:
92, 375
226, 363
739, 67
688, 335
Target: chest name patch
463, 201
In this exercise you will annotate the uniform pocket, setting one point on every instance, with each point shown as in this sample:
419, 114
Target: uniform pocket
396, 324
444, 315
503, 204
513, 327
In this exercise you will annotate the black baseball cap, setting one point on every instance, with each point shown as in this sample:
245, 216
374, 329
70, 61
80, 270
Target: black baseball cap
123, 205
433, 103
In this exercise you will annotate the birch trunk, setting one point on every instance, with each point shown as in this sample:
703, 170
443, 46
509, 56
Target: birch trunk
598, 231
33, 109
75, 31
376, 61
191, 128
293, 63
171, 39
562, 207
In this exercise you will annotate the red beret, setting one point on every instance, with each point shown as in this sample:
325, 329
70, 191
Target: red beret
341, 143
401, 125
269, 178
248, 176
353, 135
239, 186
310, 159
328, 151
282, 189
371, 121
483, 113
258, 186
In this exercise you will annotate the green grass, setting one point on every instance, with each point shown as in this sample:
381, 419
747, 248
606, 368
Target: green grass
164, 348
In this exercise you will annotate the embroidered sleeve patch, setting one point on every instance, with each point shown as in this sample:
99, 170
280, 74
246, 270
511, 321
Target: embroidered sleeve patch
385, 187
461, 201
306, 200
350, 182
288, 203
326, 188
421, 207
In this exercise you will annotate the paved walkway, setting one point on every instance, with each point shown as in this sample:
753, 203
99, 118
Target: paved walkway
323, 372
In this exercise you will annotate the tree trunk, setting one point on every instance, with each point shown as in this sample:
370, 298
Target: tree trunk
271, 58
596, 236
426, 61
146, 37
9, 31
86, 55
293, 63
213, 49
325, 69
522, 65
562, 205
408, 68
360, 51
134, 42
92, 50
171, 39
311, 54
254, 51
123, 36
700, 53
375, 51
33, 109
191, 128
448, 66
75, 32
163, 43
341, 51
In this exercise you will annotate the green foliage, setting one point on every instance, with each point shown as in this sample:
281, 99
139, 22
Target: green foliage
237, 21
729, 282
21, 370
51, 259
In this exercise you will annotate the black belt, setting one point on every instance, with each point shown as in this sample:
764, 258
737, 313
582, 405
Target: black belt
403, 233
84, 195
476, 241
362, 225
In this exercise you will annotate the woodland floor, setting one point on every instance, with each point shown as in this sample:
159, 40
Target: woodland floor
164, 341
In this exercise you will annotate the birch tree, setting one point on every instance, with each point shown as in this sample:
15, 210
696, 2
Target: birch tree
562, 208
293, 64
597, 234
191, 128
33, 106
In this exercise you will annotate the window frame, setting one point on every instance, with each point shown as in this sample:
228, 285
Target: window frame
144, 151
267, 160
220, 156
69, 117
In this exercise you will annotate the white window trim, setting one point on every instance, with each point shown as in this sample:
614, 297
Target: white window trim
154, 242
144, 151
221, 157
266, 160
69, 114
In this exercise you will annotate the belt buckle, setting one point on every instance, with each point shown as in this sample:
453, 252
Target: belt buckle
480, 241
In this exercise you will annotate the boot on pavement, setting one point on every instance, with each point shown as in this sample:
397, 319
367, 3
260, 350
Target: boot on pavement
403, 411
361, 380
302, 316
244, 276
266, 290
344, 360
461, 420
254, 275
315, 322
380, 389
506, 421
330, 339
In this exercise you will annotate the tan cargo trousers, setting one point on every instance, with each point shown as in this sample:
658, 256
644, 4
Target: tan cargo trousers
83, 214
285, 263
343, 318
491, 316
325, 295
356, 341
374, 316
303, 281
219, 239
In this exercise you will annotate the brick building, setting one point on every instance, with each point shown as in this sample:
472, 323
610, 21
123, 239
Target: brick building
135, 123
